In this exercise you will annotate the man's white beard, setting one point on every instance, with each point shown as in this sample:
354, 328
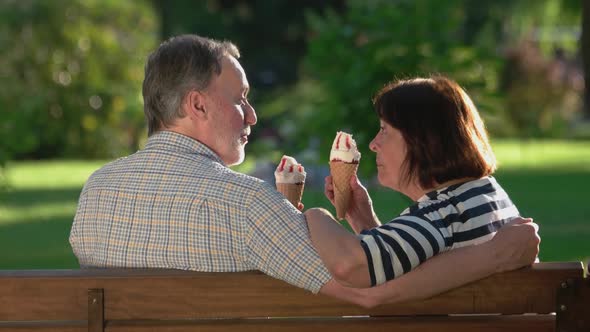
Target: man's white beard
241, 154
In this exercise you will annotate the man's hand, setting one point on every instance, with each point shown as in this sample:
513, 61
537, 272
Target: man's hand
300, 206
516, 244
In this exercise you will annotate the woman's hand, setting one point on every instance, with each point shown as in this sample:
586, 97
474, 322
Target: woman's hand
360, 214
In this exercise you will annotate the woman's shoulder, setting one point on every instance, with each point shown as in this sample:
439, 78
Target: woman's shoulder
426, 210
486, 186
452, 199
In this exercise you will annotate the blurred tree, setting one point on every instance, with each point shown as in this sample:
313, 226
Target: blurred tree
541, 94
542, 79
585, 45
71, 76
352, 55
271, 34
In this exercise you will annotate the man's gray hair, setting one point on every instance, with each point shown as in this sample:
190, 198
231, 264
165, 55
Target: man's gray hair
180, 64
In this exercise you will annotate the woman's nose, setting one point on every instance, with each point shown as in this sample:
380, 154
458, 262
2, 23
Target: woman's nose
373, 144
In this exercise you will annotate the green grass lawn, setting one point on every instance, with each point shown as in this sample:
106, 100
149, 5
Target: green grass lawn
548, 181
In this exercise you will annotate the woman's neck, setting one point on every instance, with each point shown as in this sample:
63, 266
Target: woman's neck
415, 191
452, 182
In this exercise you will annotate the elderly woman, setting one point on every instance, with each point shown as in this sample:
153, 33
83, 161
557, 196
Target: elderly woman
432, 147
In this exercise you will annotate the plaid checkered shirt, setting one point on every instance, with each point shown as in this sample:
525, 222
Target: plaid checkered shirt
176, 205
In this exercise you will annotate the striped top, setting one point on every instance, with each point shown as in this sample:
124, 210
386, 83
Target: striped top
176, 205
456, 216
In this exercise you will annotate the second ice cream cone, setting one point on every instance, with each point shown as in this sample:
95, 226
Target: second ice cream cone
341, 174
293, 191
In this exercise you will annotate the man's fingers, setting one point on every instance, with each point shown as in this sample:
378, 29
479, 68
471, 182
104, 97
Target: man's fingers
329, 188
519, 220
300, 206
526, 222
535, 226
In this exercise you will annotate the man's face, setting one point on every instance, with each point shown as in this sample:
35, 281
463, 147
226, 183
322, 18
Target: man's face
231, 115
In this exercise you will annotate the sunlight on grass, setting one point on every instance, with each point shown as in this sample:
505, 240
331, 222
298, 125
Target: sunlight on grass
547, 180
543, 154
50, 174
37, 212
67, 174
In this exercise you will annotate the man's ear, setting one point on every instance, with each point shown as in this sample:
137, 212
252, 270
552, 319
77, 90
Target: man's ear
194, 105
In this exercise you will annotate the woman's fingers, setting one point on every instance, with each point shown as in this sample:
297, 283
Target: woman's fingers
328, 182
354, 182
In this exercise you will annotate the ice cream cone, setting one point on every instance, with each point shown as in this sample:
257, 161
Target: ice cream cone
341, 174
293, 192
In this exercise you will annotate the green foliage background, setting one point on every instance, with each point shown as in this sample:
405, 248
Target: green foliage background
72, 69
352, 54
72, 73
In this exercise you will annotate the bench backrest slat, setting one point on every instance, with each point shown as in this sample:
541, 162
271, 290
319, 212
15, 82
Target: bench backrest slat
158, 294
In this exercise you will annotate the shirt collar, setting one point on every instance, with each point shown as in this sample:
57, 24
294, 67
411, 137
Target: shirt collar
175, 142
433, 195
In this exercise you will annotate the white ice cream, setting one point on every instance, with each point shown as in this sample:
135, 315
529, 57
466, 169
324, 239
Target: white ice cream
344, 149
289, 171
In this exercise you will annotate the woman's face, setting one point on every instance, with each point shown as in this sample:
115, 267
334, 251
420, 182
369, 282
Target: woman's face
390, 147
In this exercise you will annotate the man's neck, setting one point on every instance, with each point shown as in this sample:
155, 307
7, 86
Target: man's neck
181, 130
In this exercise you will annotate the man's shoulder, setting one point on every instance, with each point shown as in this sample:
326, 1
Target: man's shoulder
104, 169
190, 175
108, 168
240, 180
238, 177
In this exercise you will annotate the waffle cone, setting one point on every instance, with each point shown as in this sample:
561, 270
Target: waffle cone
341, 174
293, 191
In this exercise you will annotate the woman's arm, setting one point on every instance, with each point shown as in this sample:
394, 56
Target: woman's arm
339, 249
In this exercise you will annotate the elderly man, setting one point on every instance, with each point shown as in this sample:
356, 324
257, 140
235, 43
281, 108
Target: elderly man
176, 204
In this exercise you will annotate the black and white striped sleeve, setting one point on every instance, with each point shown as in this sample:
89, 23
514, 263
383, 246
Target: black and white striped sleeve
399, 246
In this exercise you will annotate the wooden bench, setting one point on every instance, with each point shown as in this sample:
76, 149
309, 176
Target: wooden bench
546, 297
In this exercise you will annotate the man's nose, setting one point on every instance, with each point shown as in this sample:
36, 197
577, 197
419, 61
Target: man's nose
251, 117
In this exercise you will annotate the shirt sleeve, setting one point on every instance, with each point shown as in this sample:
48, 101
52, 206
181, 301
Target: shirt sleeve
279, 244
399, 246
